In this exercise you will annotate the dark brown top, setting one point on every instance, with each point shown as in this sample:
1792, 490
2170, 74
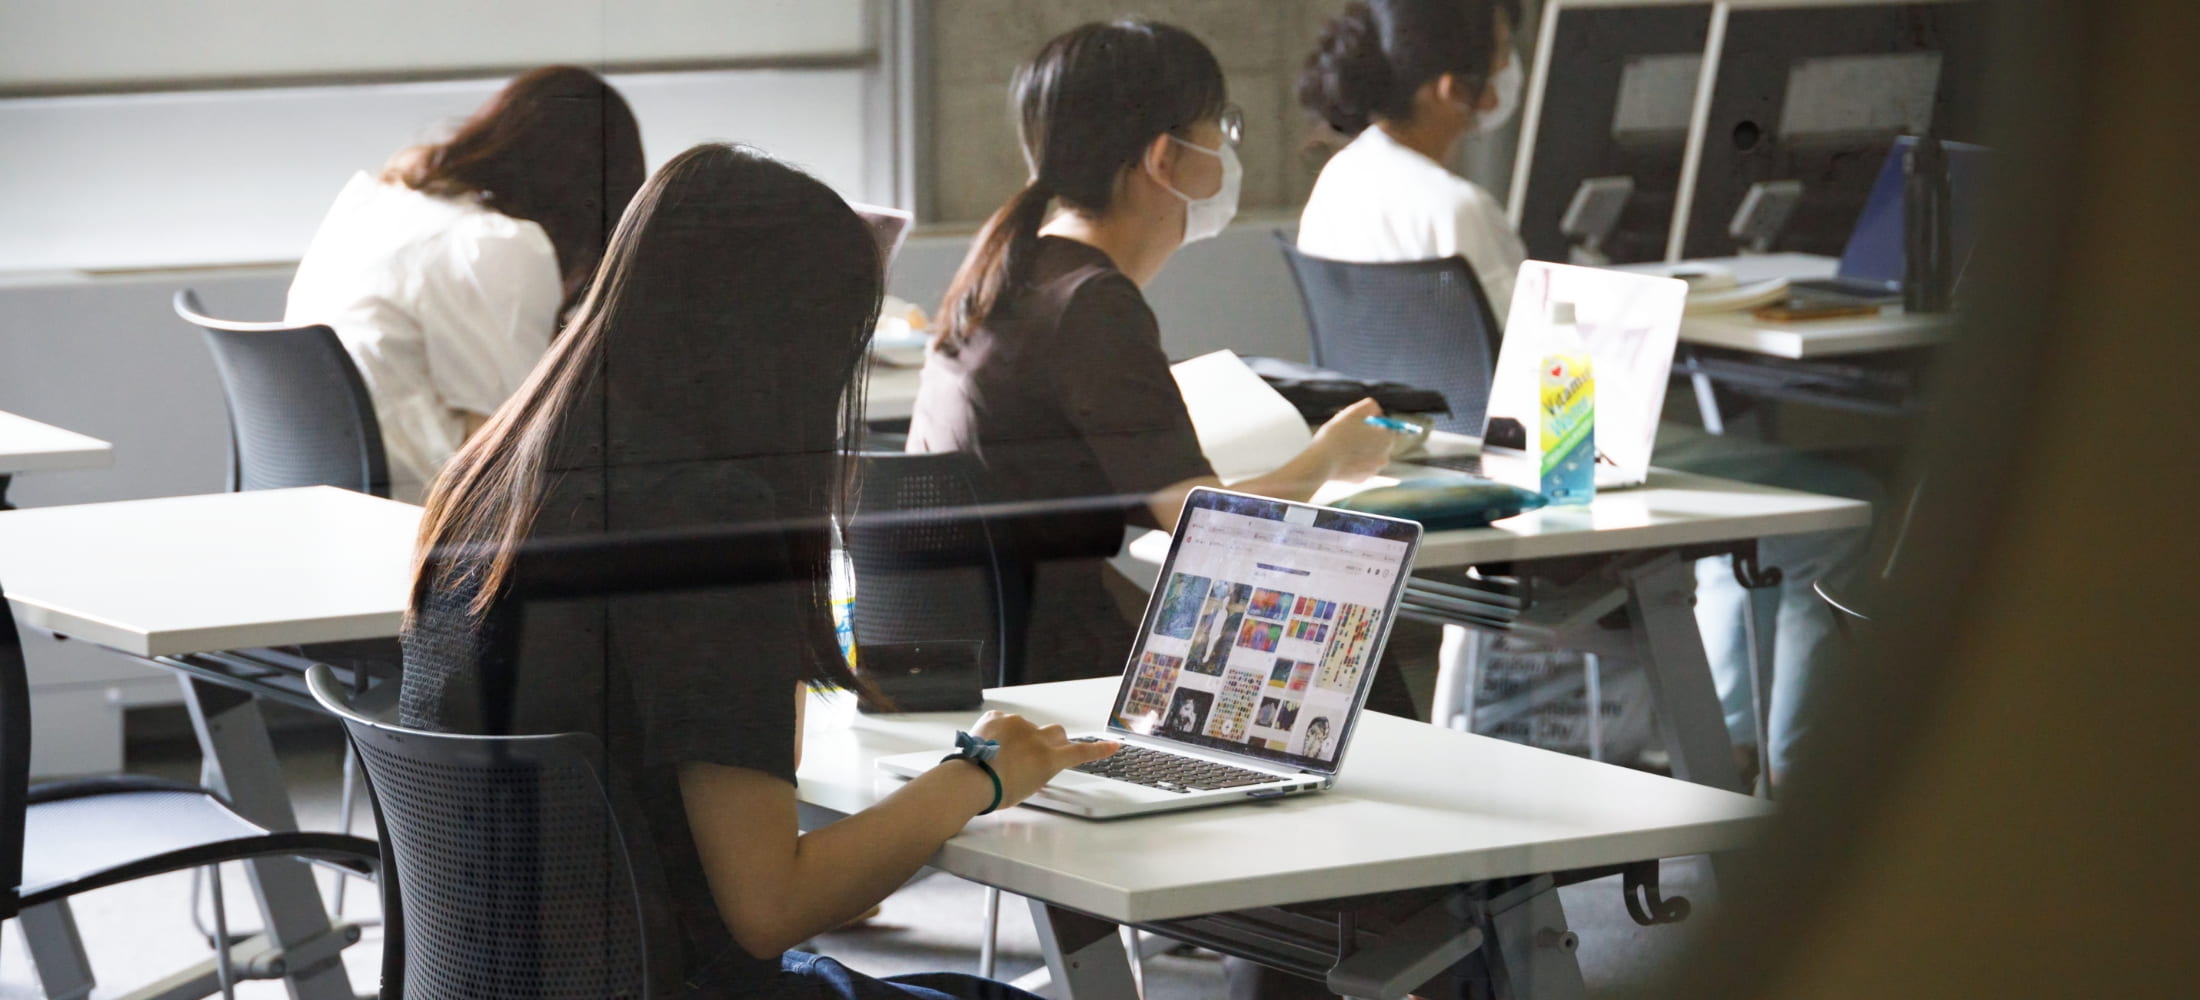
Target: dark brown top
1064, 392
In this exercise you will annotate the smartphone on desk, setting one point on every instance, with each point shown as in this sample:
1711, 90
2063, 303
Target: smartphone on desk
1800, 309
932, 676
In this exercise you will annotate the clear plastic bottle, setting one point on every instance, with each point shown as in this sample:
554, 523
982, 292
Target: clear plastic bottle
1568, 412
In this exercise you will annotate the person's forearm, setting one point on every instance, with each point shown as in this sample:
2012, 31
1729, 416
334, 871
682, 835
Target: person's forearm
1297, 479
843, 869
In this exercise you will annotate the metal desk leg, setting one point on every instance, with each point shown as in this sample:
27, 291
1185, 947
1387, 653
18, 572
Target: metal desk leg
240, 764
1535, 952
1707, 403
49, 934
1085, 955
1760, 624
1661, 595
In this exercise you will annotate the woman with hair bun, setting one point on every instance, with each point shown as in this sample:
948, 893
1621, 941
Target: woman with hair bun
1408, 79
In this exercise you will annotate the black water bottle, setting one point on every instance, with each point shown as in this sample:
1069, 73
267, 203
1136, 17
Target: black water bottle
1927, 257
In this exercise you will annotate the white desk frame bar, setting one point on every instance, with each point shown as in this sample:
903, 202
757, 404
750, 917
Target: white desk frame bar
1657, 591
1517, 925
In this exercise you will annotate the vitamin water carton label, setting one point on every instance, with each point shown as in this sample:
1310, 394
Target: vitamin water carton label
1569, 428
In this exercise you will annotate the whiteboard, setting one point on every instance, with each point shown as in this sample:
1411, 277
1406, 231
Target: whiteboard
217, 177
63, 45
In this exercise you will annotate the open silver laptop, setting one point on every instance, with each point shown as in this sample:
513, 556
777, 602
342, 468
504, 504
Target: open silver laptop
1252, 664
1632, 324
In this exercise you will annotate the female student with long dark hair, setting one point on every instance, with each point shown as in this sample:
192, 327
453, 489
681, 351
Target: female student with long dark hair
708, 377
446, 275
1409, 80
1048, 364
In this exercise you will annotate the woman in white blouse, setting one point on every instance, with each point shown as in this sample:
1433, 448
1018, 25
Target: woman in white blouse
1409, 79
447, 275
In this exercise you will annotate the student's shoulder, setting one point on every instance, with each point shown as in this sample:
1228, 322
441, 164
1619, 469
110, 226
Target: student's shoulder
1081, 290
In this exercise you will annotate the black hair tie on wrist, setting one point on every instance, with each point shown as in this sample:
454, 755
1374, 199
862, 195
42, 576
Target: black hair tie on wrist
979, 751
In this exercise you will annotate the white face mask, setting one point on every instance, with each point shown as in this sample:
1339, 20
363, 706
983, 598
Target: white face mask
1507, 84
1207, 217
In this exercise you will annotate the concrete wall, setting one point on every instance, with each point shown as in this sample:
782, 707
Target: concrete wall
977, 45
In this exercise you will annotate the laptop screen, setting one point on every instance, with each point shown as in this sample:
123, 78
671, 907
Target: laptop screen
889, 227
1631, 323
1875, 251
1265, 628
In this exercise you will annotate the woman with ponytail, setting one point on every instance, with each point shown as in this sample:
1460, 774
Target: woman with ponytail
1048, 363
1408, 79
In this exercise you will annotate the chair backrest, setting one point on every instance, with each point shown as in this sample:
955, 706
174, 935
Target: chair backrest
15, 757
521, 873
1425, 323
299, 414
903, 593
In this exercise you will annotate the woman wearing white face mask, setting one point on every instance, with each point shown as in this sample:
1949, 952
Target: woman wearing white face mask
1410, 79
1048, 364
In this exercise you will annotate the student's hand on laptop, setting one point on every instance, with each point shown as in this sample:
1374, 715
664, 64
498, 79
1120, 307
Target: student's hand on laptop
1032, 755
1355, 448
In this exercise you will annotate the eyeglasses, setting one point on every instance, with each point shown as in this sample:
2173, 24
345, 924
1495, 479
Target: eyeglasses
1232, 122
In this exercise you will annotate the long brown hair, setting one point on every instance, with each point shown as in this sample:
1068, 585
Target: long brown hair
723, 247
1088, 105
557, 147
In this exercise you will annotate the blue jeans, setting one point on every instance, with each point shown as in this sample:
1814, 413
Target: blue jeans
1803, 641
806, 975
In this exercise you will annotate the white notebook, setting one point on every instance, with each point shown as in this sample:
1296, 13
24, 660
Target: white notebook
1245, 427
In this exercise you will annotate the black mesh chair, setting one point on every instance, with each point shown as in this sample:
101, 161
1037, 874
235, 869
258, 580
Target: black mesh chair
903, 593
514, 870
299, 414
64, 838
1426, 323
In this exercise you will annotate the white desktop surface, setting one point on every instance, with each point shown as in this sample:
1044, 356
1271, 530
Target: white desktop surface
1892, 330
1415, 806
197, 574
1749, 268
1672, 509
29, 446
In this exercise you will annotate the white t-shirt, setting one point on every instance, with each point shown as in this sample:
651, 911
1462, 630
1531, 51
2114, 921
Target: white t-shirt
444, 305
1378, 202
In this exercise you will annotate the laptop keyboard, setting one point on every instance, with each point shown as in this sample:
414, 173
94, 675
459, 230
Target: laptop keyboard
1170, 772
1469, 464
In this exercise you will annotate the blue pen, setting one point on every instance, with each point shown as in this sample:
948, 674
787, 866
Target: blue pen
1393, 424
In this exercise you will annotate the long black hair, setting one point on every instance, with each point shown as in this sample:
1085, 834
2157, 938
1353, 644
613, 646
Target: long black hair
1088, 105
1375, 56
725, 254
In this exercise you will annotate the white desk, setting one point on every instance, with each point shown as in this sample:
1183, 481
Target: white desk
1893, 330
1673, 509
1630, 550
29, 446
1416, 806
163, 580
180, 575
1739, 331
